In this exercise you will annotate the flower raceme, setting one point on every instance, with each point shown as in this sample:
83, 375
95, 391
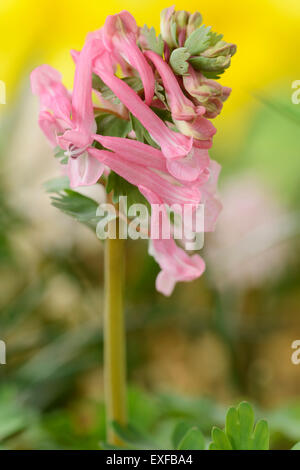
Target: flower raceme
158, 93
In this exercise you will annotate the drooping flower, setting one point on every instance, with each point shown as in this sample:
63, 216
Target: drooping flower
176, 265
68, 121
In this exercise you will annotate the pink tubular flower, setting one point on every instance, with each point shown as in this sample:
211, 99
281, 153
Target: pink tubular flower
173, 144
120, 33
140, 175
46, 84
184, 170
175, 264
186, 115
69, 122
181, 107
134, 151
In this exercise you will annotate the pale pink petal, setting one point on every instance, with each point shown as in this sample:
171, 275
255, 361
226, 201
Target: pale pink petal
50, 126
175, 264
84, 170
82, 105
190, 167
165, 283
46, 84
200, 128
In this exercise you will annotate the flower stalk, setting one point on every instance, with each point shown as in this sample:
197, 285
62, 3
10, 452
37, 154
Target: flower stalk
114, 334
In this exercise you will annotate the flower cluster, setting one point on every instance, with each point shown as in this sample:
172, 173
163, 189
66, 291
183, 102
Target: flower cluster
140, 108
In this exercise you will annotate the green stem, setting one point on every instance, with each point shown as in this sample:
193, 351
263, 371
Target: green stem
114, 335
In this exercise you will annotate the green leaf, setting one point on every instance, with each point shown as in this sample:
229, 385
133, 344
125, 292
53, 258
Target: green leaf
261, 438
296, 446
98, 84
109, 124
232, 427
155, 43
212, 446
179, 432
121, 187
132, 437
56, 185
141, 132
163, 114
246, 418
215, 38
192, 440
81, 208
178, 60
159, 92
199, 40
60, 154
220, 439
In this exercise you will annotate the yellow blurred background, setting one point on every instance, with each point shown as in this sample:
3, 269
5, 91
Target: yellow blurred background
266, 32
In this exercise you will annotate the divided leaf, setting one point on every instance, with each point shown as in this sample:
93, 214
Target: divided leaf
153, 42
141, 132
178, 60
76, 205
238, 433
199, 40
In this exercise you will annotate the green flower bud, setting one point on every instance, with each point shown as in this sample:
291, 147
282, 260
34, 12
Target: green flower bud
175, 26
194, 22
181, 18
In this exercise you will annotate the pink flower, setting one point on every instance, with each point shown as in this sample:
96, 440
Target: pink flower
173, 144
120, 33
188, 169
133, 169
187, 117
175, 264
69, 121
